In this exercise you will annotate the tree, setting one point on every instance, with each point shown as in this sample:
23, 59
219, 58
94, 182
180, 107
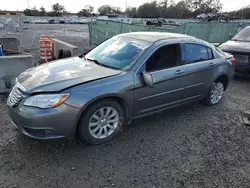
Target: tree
89, 9
83, 13
35, 12
182, 10
117, 10
132, 12
164, 3
149, 10
107, 9
204, 6
58, 9
27, 12
242, 13
42, 11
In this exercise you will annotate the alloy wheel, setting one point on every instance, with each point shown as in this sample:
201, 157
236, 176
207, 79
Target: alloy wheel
103, 122
216, 92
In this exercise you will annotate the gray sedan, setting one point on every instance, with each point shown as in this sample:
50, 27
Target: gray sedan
126, 77
239, 47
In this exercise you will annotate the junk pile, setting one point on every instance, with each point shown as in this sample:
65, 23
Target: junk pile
51, 49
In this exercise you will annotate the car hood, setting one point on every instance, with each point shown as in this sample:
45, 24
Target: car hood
61, 74
235, 46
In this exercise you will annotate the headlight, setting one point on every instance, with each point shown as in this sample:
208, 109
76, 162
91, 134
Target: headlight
46, 101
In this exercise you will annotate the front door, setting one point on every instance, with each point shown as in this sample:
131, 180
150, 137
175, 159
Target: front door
166, 68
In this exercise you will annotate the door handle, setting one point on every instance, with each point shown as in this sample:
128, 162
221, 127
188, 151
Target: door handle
211, 64
179, 72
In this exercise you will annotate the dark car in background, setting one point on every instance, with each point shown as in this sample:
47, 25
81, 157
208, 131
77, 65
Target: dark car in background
51, 21
154, 22
126, 77
239, 47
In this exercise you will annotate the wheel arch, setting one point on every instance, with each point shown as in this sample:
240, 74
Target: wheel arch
119, 99
224, 79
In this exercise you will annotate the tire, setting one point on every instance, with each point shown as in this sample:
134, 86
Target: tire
87, 132
209, 100
64, 53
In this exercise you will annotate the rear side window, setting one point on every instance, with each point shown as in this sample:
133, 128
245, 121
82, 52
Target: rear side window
196, 53
218, 53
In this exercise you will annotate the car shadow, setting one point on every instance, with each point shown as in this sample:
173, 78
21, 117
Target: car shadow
169, 128
242, 78
136, 126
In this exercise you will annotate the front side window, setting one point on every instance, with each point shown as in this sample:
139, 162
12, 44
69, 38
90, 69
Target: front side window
118, 52
165, 57
196, 53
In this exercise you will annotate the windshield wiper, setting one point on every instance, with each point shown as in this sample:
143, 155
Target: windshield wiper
101, 64
237, 40
95, 61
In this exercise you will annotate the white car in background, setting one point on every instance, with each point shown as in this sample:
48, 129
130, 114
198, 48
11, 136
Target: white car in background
74, 21
83, 21
40, 21
43, 21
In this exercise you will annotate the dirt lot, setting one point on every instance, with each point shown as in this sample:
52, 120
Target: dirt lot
191, 146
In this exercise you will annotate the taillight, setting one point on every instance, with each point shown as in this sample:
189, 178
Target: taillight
233, 61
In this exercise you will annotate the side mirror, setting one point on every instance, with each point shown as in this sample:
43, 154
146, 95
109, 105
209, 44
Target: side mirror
148, 79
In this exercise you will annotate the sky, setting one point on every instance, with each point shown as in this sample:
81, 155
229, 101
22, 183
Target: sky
76, 5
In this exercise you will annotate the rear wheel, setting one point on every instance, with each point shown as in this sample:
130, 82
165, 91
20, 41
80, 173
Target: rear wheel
101, 122
215, 93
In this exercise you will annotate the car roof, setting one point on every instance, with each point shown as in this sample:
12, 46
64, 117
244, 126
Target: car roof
154, 36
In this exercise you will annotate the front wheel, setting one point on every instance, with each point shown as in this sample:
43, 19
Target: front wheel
101, 122
215, 93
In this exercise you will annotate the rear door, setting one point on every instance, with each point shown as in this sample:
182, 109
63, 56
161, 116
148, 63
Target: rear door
200, 69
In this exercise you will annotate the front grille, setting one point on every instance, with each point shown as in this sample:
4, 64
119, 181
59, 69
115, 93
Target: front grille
16, 96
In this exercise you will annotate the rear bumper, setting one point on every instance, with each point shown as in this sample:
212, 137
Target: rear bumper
242, 68
45, 124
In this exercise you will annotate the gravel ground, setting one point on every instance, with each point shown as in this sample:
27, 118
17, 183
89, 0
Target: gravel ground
191, 146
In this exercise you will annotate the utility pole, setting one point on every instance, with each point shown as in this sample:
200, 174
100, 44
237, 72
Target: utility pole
126, 6
28, 4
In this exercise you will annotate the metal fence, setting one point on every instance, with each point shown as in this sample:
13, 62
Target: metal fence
214, 32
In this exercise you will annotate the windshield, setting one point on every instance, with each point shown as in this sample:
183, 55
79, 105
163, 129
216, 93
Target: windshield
118, 52
243, 35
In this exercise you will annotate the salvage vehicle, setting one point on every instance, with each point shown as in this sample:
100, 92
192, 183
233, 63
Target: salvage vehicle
126, 77
239, 47
154, 22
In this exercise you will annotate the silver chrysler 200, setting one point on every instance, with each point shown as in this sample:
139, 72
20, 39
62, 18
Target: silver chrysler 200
126, 77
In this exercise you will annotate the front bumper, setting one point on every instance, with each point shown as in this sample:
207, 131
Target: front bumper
45, 124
